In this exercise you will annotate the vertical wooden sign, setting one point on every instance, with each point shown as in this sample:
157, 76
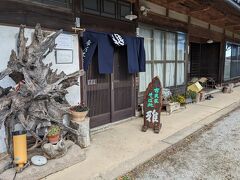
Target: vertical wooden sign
152, 106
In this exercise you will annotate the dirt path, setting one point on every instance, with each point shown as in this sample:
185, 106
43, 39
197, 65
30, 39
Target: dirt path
215, 154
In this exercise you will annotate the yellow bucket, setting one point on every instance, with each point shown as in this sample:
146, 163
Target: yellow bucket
20, 148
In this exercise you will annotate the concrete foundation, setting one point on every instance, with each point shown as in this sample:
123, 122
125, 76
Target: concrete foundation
122, 147
74, 155
83, 128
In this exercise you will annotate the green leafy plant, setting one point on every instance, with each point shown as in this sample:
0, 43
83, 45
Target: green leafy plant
191, 94
181, 99
178, 98
125, 177
173, 98
53, 130
80, 108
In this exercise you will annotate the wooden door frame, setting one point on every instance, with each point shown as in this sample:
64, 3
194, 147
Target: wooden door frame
124, 113
117, 115
113, 115
104, 118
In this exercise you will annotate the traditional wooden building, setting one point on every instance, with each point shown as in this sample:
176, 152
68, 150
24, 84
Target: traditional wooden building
110, 97
189, 38
183, 39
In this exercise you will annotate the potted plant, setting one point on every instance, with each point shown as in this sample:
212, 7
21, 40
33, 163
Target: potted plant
53, 134
181, 99
192, 95
178, 98
79, 112
188, 97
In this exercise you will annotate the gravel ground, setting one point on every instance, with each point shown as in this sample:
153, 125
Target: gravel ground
214, 154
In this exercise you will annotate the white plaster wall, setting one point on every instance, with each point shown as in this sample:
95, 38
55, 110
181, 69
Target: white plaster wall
2, 140
8, 41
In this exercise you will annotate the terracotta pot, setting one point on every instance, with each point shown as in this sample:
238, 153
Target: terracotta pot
78, 116
54, 139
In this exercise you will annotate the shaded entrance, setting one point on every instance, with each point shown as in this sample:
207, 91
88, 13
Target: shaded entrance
110, 97
204, 60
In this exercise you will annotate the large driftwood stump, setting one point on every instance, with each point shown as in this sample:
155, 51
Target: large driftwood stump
39, 97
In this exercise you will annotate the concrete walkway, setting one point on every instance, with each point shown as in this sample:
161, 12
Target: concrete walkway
122, 147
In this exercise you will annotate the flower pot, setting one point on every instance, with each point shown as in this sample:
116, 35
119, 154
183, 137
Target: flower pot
188, 100
78, 116
54, 139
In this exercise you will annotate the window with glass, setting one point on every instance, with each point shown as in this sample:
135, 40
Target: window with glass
60, 3
165, 57
232, 61
117, 9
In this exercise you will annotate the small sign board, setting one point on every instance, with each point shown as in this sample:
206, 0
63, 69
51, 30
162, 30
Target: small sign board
152, 106
64, 41
64, 56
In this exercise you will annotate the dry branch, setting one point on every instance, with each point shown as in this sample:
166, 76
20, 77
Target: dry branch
39, 100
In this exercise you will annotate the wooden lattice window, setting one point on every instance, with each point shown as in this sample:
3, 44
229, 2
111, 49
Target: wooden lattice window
165, 57
116, 9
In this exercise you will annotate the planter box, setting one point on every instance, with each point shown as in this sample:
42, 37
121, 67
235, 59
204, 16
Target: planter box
189, 100
172, 107
197, 100
202, 96
138, 113
78, 116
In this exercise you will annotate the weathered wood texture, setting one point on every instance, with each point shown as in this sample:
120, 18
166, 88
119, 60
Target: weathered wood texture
16, 12
164, 22
39, 98
214, 12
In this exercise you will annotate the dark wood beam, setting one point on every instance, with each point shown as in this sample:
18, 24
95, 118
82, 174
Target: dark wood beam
131, 1
172, 1
200, 9
158, 2
204, 33
232, 25
163, 22
211, 11
230, 21
28, 13
236, 28
218, 19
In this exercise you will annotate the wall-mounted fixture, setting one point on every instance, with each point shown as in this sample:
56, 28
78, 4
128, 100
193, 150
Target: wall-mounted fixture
77, 25
210, 41
131, 16
77, 22
144, 10
137, 31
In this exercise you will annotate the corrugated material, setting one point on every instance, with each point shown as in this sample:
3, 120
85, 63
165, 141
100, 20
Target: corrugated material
216, 28
178, 16
198, 22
